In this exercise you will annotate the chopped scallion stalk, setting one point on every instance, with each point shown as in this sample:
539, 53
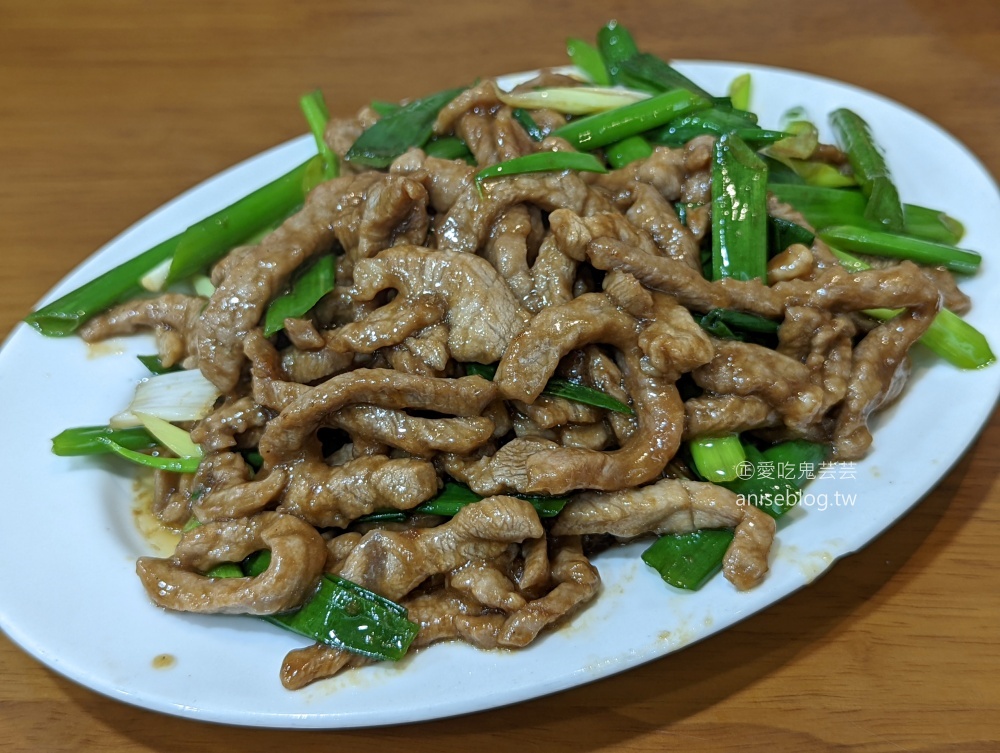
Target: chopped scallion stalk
777, 475
605, 128
870, 169
203, 286
454, 497
563, 388
801, 142
317, 116
87, 440
581, 393
628, 150
340, 614
587, 58
528, 123
717, 459
658, 73
176, 396
722, 322
205, 242
63, 316
739, 211
172, 437
225, 570
315, 282
155, 365
949, 335
878, 243
784, 233
818, 174
449, 147
542, 162
573, 100
156, 278
616, 45
174, 465
688, 560
823, 207
739, 91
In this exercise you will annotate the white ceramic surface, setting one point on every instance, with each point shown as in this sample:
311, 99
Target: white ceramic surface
70, 597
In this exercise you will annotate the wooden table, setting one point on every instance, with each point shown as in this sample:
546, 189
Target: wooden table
109, 109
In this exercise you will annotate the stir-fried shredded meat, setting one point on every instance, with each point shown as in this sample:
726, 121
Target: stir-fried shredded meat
298, 555
677, 506
366, 406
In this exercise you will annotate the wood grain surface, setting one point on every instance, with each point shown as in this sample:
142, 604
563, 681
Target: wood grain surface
108, 109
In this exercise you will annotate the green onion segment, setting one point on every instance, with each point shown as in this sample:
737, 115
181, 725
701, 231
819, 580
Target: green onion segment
563, 388
316, 281
542, 162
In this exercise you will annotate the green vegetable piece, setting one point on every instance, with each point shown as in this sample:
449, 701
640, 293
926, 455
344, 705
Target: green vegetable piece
799, 458
541, 162
449, 147
819, 174
616, 45
383, 516
344, 615
739, 91
719, 120
607, 127
692, 126
411, 125
658, 73
454, 497
225, 569
688, 560
878, 243
172, 437
561, 388
581, 393
627, 151
739, 211
384, 108
586, 57
717, 459
205, 242
784, 233
823, 207
528, 123
155, 365
484, 370
63, 316
739, 320
949, 336
777, 475
870, 169
317, 115
800, 142
174, 465
316, 281
254, 459
87, 440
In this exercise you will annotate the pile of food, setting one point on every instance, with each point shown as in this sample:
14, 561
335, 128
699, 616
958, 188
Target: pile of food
411, 387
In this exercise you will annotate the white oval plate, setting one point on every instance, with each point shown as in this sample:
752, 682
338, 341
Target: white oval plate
70, 596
